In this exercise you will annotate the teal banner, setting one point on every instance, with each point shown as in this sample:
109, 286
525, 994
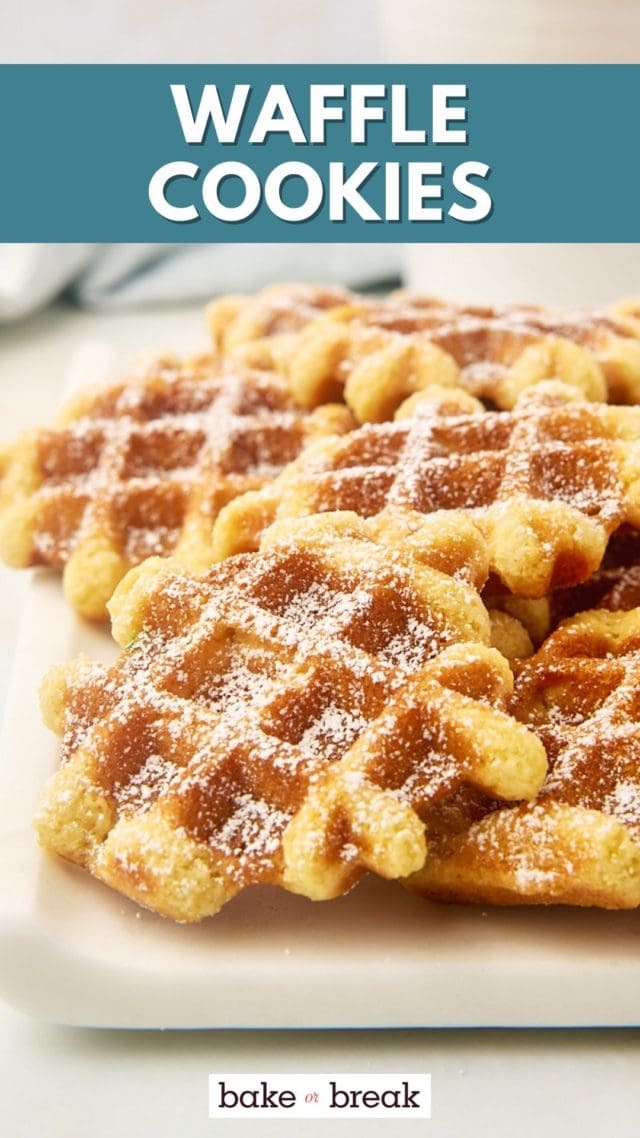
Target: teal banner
337, 153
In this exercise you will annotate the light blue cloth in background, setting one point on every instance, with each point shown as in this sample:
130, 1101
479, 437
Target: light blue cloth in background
128, 276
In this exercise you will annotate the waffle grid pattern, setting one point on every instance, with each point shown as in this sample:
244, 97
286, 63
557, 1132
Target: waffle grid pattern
283, 719
325, 701
548, 483
381, 352
579, 841
143, 467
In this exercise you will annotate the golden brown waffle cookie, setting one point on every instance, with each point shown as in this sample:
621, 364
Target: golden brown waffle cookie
381, 352
143, 467
262, 327
627, 313
579, 842
286, 719
510, 635
547, 483
614, 586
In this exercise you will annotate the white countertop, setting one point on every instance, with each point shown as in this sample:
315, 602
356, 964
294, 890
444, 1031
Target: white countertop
71, 1083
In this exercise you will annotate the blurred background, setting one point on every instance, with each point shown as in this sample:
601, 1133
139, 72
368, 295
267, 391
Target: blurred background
195, 31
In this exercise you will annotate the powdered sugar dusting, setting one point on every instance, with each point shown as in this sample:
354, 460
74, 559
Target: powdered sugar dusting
491, 465
144, 452
251, 833
155, 778
624, 804
244, 689
333, 732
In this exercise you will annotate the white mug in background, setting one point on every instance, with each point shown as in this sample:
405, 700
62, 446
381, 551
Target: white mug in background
525, 31
528, 31
559, 276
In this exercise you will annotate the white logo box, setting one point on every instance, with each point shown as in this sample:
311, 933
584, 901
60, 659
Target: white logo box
320, 1096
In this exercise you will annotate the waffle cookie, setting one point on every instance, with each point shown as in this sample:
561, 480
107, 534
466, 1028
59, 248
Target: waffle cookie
142, 467
578, 843
286, 718
262, 327
615, 586
547, 483
379, 352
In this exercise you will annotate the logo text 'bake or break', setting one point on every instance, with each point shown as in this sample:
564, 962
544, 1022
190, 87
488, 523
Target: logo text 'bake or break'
320, 1096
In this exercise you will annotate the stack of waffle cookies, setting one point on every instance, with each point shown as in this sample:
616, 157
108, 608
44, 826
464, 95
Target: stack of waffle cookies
374, 567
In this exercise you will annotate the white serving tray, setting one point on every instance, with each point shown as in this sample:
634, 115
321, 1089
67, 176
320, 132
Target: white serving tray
74, 952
